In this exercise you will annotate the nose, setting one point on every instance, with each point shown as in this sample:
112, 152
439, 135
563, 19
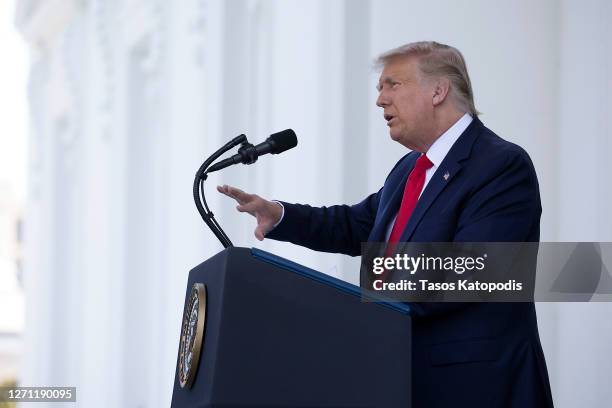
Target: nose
382, 99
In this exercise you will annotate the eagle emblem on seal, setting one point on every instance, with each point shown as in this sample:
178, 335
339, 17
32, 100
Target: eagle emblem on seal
192, 335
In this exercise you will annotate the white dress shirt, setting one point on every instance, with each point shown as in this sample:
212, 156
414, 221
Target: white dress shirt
437, 152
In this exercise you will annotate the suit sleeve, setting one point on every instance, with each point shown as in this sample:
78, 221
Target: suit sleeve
337, 229
506, 208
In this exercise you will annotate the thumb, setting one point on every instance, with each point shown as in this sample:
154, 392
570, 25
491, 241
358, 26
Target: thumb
260, 233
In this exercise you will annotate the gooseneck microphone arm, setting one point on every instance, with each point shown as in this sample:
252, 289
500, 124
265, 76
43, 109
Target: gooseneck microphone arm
198, 191
247, 154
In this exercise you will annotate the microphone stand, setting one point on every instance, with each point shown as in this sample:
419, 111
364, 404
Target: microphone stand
198, 190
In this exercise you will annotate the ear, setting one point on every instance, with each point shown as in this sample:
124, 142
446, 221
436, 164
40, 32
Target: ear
440, 90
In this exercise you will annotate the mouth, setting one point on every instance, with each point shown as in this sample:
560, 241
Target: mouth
389, 118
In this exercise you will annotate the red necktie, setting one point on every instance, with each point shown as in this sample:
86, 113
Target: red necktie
413, 188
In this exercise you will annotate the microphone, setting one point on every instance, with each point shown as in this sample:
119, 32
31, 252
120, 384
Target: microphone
248, 154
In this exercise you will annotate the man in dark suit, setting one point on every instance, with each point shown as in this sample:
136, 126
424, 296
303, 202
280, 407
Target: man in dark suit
461, 182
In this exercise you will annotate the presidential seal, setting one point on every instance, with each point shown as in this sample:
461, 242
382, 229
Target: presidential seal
192, 335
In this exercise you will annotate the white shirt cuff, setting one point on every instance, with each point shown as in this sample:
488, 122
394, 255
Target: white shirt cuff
282, 213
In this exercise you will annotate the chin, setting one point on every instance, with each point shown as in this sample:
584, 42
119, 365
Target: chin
394, 136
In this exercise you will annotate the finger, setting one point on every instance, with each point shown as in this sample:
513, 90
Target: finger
248, 207
224, 190
259, 234
239, 195
235, 193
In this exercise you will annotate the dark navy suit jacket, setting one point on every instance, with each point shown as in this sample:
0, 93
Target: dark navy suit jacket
464, 354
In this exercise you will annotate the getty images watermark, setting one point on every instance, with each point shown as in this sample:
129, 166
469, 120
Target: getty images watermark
487, 272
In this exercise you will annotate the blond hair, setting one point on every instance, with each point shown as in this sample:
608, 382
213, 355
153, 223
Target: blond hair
439, 60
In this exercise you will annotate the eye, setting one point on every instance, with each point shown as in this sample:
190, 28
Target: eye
395, 84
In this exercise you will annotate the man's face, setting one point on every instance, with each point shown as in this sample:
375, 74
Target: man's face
407, 102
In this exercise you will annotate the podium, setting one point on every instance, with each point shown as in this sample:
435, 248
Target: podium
262, 331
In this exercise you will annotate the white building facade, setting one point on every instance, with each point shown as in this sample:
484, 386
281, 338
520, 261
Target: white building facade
128, 97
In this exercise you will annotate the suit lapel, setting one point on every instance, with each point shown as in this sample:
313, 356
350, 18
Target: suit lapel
449, 168
392, 204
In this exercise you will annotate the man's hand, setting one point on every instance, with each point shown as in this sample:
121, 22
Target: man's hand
267, 213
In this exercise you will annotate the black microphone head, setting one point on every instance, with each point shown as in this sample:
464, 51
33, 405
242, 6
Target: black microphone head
283, 140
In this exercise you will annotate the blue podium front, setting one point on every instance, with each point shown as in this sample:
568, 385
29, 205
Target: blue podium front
261, 331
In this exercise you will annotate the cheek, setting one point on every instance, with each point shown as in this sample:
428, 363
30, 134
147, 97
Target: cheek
419, 108
410, 106
425, 103
405, 108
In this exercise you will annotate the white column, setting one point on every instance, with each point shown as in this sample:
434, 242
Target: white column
100, 216
585, 193
51, 235
185, 143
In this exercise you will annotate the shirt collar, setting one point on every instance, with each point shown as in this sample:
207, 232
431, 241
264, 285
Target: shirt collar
440, 148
